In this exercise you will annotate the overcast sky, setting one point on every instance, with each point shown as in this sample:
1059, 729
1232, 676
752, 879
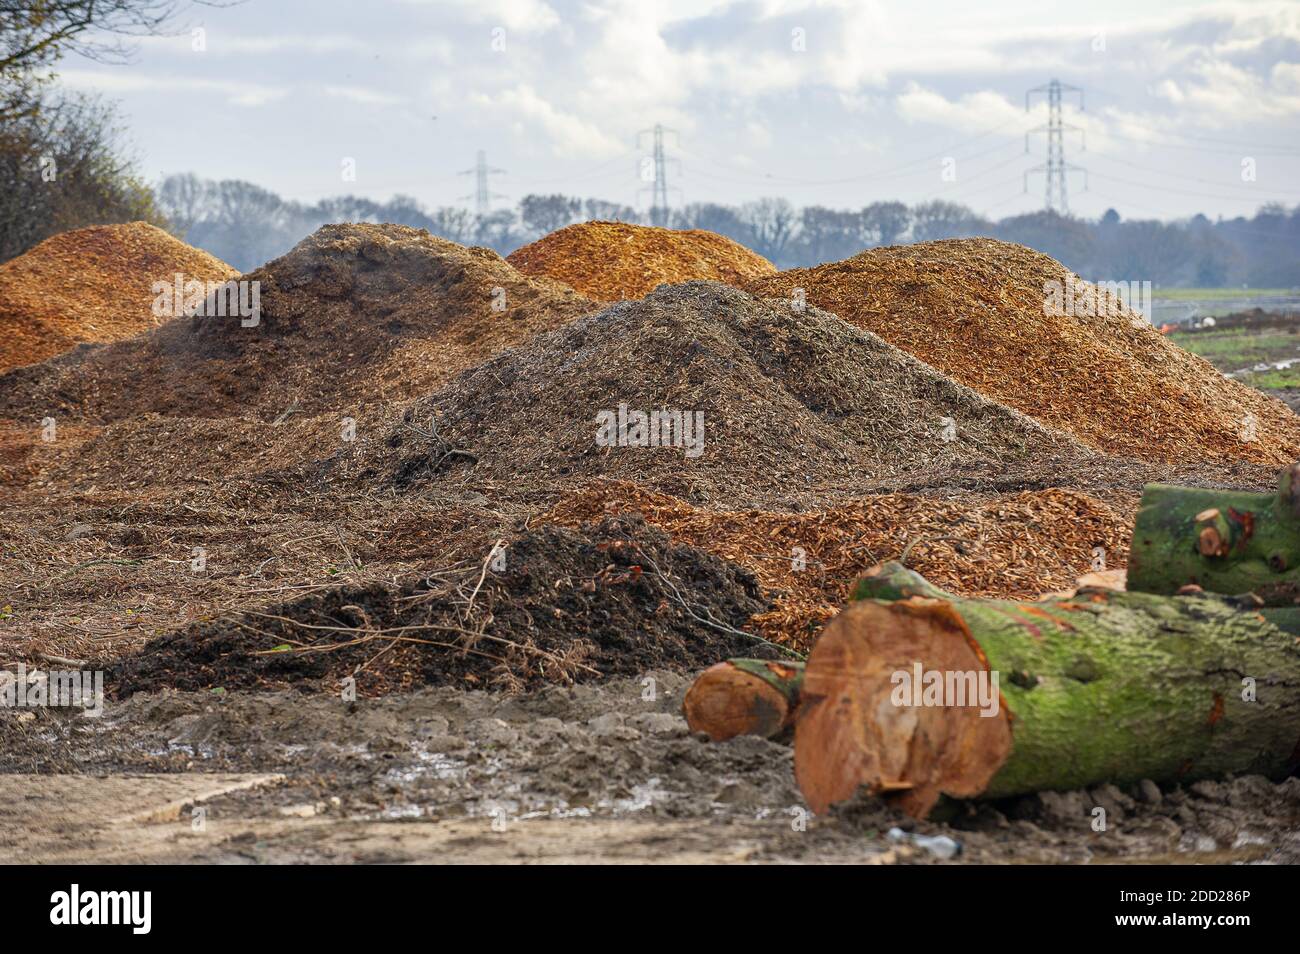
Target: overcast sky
832, 102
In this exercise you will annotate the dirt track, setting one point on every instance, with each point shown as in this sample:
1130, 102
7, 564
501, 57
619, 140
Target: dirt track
602, 772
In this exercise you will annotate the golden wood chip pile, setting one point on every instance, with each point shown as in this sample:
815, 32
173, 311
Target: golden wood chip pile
612, 261
980, 311
353, 314
1012, 546
91, 284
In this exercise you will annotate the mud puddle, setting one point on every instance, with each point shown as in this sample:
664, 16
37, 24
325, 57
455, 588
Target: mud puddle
598, 772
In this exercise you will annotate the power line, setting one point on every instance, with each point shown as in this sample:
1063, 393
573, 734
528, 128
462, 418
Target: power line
1165, 144
483, 196
657, 173
1055, 167
1198, 179
960, 190
1236, 143
600, 169
908, 168
1195, 194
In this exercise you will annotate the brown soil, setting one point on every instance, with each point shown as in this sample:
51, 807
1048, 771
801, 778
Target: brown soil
1011, 546
975, 309
91, 284
354, 314
564, 607
599, 772
796, 407
612, 261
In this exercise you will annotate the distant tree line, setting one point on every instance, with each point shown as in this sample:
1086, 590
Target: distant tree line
247, 225
62, 167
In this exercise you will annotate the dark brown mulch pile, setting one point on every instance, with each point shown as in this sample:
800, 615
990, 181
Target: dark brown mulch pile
618, 598
794, 404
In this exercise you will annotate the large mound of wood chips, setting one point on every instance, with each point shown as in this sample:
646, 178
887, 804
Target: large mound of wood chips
1010, 546
977, 310
91, 284
353, 314
613, 261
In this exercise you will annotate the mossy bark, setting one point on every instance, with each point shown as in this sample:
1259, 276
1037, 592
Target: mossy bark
1223, 541
1102, 686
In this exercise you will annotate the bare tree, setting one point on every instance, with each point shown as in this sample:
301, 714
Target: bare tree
830, 234
771, 223
452, 222
939, 220
541, 214
35, 34
63, 168
604, 211
886, 222
185, 200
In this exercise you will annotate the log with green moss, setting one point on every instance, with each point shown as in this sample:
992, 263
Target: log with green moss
1221, 540
744, 697
929, 695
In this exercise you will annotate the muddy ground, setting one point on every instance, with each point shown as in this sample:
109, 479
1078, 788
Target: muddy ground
598, 772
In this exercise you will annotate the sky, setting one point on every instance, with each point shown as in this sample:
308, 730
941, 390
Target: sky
1186, 106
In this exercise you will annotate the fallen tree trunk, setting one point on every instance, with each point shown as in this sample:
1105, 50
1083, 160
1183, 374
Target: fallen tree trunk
744, 697
1223, 541
1103, 686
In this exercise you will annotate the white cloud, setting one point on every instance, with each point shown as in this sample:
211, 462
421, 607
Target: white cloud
526, 16
366, 97
119, 81
569, 135
973, 112
221, 43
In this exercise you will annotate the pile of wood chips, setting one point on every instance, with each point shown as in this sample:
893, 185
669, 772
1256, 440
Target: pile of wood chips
91, 284
354, 314
1012, 546
1015, 325
613, 261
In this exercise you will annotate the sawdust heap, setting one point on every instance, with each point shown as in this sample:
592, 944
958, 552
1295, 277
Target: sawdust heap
1014, 546
353, 314
612, 261
794, 406
975, 309
91, 284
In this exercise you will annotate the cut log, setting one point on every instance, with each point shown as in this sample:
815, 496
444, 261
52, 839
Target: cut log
1223, 541
744, 697
1104, 686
